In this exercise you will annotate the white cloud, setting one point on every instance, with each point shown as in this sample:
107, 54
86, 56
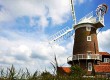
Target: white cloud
57, 10
4, 15
43, 22
81, 1
25, 51
104, 40
4, 60
21, 52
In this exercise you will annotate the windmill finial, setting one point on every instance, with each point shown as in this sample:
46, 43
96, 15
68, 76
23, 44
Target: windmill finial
101, 10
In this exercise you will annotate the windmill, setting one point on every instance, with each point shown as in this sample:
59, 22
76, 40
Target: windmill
85, 50
67, 32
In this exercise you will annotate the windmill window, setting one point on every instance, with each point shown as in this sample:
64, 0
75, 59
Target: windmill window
88, 28
88, 38
89, 66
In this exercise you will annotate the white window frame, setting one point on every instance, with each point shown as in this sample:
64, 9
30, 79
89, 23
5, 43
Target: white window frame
106, 60
89, 66
88, 28
89, 38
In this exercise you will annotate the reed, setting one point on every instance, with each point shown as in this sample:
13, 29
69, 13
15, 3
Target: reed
12, 74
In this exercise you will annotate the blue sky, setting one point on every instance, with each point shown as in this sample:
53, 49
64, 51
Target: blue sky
26, 25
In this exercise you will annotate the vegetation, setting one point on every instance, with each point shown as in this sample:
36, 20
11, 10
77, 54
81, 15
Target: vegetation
77, 71
12, 74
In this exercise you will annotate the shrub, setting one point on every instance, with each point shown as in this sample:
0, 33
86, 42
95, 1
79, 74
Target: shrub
77, 71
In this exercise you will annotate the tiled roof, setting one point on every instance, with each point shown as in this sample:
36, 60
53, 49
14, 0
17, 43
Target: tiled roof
104, 53
102, 68
64, 69
102, 63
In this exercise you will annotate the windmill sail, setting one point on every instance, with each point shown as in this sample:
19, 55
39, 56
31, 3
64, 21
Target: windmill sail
66, 32
62, 34
73, 12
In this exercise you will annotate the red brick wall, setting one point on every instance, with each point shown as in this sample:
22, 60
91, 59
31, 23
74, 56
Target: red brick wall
81, 45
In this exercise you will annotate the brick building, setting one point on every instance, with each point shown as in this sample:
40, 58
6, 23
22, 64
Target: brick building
86, 53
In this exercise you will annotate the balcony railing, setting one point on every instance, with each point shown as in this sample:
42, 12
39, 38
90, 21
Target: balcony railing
85, 56
88, 16
91, 18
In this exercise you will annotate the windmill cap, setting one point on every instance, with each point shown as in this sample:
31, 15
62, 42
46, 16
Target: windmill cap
103, 8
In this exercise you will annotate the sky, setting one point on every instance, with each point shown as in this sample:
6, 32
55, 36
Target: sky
26, 25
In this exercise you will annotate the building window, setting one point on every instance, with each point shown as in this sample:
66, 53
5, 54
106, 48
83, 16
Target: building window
89, 66
106, 60
88, 38
88, 28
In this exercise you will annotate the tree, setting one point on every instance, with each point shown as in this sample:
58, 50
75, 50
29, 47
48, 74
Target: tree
77, 71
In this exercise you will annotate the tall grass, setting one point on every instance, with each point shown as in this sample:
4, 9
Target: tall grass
12, 74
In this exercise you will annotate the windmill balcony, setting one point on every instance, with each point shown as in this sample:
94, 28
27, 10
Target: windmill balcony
84, 56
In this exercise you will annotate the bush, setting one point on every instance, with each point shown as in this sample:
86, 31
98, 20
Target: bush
77, 71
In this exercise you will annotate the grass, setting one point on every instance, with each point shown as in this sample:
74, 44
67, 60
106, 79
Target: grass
12, 74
